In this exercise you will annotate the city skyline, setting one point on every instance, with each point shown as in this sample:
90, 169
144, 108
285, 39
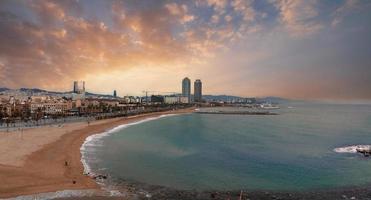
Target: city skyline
292, 49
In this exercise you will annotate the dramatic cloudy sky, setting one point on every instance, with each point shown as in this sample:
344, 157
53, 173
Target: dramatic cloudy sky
306, 49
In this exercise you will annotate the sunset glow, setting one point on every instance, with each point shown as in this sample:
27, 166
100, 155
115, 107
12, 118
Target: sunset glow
295, 49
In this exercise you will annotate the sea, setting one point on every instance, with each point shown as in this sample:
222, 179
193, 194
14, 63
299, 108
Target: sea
306, 146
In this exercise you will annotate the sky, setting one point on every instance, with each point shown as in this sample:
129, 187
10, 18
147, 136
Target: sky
299, 49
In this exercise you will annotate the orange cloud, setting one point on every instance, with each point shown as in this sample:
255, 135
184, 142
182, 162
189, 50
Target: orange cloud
66, 46
299, 16
49, 43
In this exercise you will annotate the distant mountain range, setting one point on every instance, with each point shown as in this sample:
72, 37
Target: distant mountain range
41, 91
278, 100
37, 90
4, 89
29, 90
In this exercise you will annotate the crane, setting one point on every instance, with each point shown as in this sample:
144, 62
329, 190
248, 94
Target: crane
146, 92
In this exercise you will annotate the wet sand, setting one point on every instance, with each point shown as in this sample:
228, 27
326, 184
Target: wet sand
33, 161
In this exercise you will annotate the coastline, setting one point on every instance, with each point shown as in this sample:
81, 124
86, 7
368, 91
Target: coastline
44, 170
92, 139
43, 173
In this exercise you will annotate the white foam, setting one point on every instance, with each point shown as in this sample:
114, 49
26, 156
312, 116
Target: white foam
95, 140
351, 149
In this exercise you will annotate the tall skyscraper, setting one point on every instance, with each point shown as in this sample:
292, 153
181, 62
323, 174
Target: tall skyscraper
114, 94
198, 90
186, 88
78, 90
75, 86
79, 87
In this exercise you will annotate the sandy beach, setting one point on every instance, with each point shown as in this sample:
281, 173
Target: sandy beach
34, 160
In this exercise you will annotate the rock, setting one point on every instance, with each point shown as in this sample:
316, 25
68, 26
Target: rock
100, 177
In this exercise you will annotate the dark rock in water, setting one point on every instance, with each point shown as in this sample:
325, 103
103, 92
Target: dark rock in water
364, 151
100, 176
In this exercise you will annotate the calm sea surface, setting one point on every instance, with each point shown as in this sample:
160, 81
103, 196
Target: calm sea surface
290, 151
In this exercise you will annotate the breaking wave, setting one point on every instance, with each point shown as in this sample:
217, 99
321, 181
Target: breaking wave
351, 149
95, 140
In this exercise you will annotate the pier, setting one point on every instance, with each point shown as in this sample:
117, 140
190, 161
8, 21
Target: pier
237, 112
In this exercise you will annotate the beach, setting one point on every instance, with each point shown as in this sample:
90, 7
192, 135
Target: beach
48, 158
33, 163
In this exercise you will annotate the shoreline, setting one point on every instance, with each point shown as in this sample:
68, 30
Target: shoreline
58, 180
92, 139
44, 170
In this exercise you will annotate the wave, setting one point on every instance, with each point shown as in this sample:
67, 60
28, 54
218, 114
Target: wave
91, 141
352, 149
95, 140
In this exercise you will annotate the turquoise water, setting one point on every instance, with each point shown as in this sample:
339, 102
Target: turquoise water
290, 151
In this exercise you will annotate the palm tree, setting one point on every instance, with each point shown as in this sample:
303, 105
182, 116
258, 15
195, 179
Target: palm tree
1, 115
38, 115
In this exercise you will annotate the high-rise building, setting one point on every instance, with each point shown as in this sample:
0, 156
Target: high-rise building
75, 86
186, 88
114, 94
198, 90
79, 87
78, 90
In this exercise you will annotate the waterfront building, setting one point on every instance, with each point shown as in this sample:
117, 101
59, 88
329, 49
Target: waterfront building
38, 99
186, 88
77, 103
171, 100
198, 91
157, 99
127, 99
130, 99
184, 100
110, 102
175, 100
51, 107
